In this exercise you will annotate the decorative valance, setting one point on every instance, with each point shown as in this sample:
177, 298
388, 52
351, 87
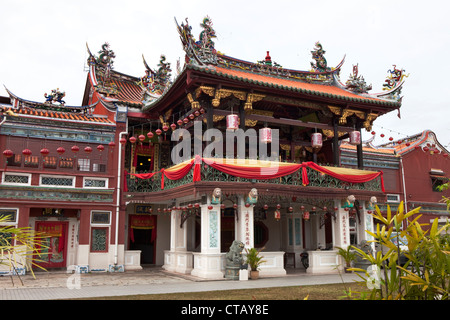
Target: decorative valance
259, 169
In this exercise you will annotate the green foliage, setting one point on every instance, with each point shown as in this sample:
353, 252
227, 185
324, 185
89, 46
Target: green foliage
253, 258
347, 254
20, 247
426, 275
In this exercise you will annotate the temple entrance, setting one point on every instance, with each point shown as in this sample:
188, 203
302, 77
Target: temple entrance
142, 236
54, 249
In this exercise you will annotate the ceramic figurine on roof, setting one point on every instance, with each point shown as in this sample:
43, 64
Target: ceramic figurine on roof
356, 83
106, 56
393, 84
103, 66
155, 83
198, 52
320, 64
396, 76
55, 96
207, 34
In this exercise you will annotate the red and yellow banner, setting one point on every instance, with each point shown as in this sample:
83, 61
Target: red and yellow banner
257, 169
50, 229
142, 222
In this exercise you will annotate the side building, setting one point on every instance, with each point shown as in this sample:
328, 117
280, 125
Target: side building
413, 167
59, 176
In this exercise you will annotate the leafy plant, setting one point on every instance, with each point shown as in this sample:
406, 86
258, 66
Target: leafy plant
426, 275
253, 258
347, 254
20, 247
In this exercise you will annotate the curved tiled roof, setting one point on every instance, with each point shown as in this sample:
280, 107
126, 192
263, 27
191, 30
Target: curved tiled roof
323, 90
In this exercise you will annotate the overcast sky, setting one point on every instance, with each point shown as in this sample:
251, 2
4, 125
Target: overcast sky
44, 45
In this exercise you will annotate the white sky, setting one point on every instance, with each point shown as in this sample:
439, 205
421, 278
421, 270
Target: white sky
44, 44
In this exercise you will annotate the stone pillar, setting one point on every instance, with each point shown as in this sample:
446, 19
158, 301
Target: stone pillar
178, 259
244, 223
208, 263
341, 231
83, 250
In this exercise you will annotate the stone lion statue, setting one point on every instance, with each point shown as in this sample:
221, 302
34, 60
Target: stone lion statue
216, 196
234, 255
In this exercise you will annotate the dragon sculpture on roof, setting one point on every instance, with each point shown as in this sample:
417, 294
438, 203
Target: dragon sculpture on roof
155, 83
356, 83
200, 52
320, 64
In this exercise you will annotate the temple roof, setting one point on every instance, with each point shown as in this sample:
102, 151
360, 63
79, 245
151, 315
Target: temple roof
32, 109
322, 81
289, 84
426, 141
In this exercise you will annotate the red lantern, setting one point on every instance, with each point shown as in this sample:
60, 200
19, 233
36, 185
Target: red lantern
425, 149
247, 204
445, 155
355, 137
278, 206
202, 111
316, 140
173, 126
232, 122
290, 209
390, 138
26, 152
60, 150
165, 127
45, 152
132, 139
191, 116
265, 135
196, 113
185, 120
123, 141
266, 207
8, 153
306, 215
180, 122
141, 137
112, 144
150, 134
197, 205
100, 147
210, 207
158, 132
75, 149
88, 149
373, 132
382, 135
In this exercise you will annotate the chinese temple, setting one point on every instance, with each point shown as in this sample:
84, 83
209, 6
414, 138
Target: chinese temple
216, 151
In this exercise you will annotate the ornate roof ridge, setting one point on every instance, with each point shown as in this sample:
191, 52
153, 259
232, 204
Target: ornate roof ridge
18, 102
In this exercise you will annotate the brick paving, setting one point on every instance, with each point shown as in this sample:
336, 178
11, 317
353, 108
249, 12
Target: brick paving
62, 285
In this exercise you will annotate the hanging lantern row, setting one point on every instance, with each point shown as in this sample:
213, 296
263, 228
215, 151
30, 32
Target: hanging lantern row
60, 150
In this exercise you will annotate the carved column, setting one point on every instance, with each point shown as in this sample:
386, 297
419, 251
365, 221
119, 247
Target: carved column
244, 223
208, 263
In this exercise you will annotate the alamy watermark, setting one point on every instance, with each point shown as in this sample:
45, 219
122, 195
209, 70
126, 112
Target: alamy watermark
231, 144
